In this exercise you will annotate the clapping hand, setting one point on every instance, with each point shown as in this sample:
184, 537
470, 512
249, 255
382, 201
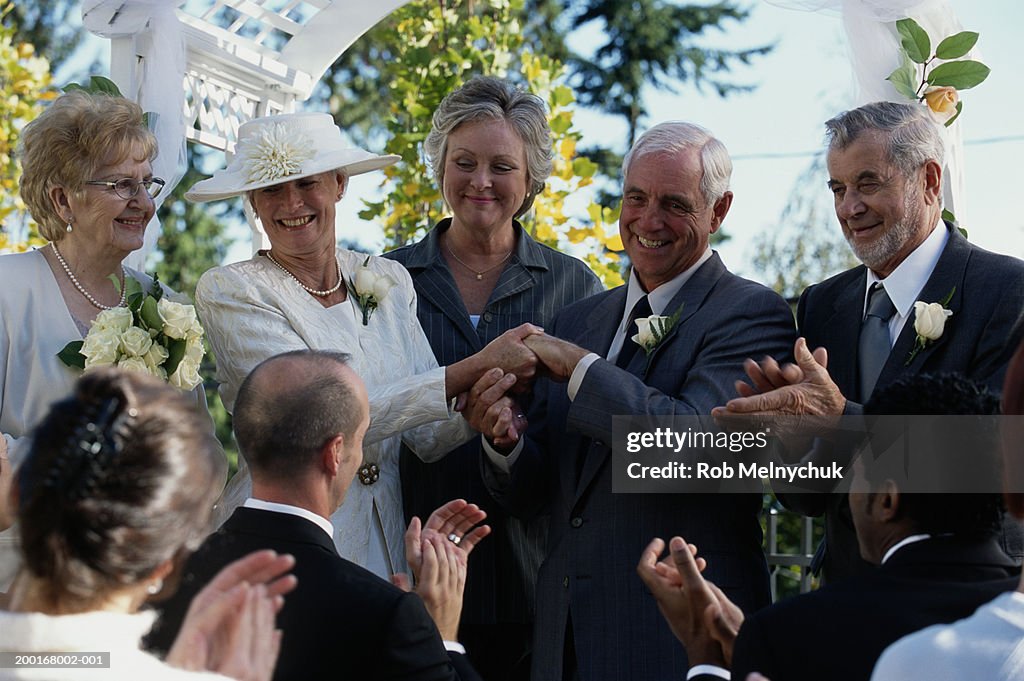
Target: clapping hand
229, 627
700, 615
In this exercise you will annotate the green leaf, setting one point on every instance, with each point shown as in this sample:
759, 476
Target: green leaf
72, 356
904, 79
150, 314
963, 232
948, 216
175, 353
962, 75
584, 167
959, 110
563, 95
914, 40
956, 45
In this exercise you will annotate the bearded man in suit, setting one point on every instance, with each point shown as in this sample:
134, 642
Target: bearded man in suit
300, 419
924, 299
595, 620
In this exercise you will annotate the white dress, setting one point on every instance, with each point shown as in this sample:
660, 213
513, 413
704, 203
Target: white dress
252, 311
28, 634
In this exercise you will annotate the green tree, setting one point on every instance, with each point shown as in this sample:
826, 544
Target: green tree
48, 25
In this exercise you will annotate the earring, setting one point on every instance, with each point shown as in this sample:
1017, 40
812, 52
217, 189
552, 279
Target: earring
154, 588
69, 227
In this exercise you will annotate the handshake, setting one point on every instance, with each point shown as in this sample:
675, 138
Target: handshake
506, 368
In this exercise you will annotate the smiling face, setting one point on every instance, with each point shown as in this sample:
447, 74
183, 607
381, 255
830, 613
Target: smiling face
101, 217
298, 215
665, 222
884, 214
485, 179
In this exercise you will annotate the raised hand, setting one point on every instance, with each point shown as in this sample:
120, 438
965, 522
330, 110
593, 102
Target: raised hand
457, 519
559, 357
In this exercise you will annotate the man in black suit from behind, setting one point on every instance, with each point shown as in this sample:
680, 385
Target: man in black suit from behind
938, 554
300, 419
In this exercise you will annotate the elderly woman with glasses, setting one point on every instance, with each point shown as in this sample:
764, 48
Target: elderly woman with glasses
88, 182
305, 292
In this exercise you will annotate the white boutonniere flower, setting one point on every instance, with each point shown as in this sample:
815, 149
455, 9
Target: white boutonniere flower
929, 323
275, 152
653, 330
369, 288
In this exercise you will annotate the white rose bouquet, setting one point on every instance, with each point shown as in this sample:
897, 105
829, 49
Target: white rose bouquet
150, 334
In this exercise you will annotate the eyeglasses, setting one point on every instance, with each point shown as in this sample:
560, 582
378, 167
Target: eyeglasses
128, 187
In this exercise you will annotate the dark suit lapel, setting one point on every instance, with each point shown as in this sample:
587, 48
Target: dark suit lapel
435, 284
948, 273
841, 334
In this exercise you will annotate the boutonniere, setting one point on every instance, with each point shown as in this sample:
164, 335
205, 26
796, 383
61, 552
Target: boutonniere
150, 334
929, 323
369, 289
653, 330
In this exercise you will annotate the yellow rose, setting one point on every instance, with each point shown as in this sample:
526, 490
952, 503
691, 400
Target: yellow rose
135, 342
942, 102
177, 318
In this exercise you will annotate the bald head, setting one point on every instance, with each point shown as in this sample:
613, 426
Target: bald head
293, 404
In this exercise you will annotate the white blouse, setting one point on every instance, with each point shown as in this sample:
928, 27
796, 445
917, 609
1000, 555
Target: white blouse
252, 311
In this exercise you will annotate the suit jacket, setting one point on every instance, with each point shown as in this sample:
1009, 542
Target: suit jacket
978, 341
933, 581
536, 283
589, 574
340, 621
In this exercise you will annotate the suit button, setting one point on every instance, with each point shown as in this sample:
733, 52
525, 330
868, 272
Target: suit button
565, 582
576, 522
488, 316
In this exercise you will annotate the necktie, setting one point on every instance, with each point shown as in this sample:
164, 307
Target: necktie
874, 339
642, 308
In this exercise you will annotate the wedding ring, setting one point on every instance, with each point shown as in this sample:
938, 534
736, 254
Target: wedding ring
454, 538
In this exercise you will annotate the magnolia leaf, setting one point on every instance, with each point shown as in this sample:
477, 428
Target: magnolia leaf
175, 353
959, 110
584, 167
963, 232
957, 45
962, 74
150, 314
948, 216
72, 356
563, 95
904, 79
914, 40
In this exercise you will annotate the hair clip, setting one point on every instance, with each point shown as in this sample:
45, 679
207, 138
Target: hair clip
88, 452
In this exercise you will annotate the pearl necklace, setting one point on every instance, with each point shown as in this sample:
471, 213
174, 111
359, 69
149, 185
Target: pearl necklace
81, 289
315, 292
479, 274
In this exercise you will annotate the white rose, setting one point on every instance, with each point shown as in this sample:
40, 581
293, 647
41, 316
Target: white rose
930, 320
381, 287
177, 318
135, 342
100, 347
156, 356
118, 319
647, 338
194, 350
365, 281
135, 364
195, 331
186, 376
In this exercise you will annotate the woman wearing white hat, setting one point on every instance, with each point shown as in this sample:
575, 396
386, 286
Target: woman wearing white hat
306, 293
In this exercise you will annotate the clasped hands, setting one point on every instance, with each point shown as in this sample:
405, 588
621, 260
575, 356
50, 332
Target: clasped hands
491, 406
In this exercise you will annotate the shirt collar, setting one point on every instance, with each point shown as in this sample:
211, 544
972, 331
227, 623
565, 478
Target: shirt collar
660, 297
906, 281
906, 541
321, 522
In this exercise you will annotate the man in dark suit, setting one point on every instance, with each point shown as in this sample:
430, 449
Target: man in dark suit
300, 419
938, 554
885, 172
594, 618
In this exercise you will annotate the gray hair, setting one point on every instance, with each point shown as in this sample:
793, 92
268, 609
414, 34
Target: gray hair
673, 136
913, 136
486, 97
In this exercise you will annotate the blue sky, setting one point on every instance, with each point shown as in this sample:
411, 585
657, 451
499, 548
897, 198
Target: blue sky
803, 82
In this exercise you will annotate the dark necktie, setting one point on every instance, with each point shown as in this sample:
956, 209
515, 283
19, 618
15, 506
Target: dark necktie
874, 339
642, 308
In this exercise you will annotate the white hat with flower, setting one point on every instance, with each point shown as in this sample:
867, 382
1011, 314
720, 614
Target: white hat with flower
276, 149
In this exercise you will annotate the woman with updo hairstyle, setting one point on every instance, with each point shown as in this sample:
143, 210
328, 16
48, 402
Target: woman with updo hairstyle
117, 490
477, 274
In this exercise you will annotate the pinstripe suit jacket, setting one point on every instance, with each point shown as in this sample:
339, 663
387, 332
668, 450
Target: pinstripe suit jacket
536, 283
596, 537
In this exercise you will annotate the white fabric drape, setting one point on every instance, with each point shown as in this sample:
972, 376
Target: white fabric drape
873, 44
160, 43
